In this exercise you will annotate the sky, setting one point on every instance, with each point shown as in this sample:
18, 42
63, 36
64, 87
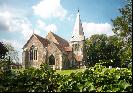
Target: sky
20, 18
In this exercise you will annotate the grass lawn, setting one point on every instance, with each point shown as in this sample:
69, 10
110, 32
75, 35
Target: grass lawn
61, 72
68, 72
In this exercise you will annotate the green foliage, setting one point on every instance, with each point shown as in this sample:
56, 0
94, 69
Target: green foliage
113, 50
102, 48
8, 56
30, 80
94, 79
123, 24
12, 53
123, 29
3, 50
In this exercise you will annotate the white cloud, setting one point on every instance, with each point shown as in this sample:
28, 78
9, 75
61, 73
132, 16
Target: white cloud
49, 8
70, 18
94, 28
15, 20
51, 27
14, 43
42, 26
26, 29
9, 22
6, 21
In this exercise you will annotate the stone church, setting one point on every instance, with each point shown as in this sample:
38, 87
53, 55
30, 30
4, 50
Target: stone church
56, 51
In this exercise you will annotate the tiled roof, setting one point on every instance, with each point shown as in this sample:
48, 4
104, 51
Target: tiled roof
44, 41
60, 47
61, 43
27, 42
56, 45
56, 39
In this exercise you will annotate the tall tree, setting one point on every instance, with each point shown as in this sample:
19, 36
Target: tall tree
12, 53
3, 50
101, 48
123, 29
8, 56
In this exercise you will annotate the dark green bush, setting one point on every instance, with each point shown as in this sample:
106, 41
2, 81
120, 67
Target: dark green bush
94, 79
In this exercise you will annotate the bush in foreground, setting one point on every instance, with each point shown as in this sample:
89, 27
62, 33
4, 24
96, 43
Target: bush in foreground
94, 79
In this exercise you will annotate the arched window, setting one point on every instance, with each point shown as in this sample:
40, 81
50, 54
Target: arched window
51, 60
33, 53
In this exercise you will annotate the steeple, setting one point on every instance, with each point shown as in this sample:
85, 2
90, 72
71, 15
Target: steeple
78, 34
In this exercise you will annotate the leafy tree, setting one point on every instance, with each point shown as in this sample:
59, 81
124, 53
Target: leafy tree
114, 50
3, 50
8, 56
123, 29
12, 53
101, 48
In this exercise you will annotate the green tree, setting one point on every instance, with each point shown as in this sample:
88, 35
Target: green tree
8, 56
101, 48
3, 50
12, 53
123, 29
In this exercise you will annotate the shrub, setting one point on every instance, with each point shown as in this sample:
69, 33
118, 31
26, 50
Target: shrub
94, 79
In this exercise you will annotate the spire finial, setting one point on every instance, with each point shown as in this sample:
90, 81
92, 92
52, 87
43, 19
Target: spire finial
78, 9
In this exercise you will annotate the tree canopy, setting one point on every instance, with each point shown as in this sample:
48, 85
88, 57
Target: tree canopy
122, 27
8, 56
3, 50
114, 50
101, 48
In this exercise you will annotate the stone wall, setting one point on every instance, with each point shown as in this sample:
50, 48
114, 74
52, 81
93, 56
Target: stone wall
53, 50
40, 53
63, 59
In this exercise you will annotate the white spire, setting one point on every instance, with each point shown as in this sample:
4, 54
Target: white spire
78, 34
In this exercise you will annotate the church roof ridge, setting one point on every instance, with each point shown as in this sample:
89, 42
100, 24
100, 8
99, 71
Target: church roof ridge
44, 41
39, 36
59, 39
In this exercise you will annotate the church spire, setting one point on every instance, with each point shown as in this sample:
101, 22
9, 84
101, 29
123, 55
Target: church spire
78, 34
78, 10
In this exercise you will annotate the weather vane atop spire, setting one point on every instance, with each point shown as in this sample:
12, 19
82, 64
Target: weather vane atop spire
78, 9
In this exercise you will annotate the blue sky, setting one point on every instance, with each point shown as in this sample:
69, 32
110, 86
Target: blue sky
18, 18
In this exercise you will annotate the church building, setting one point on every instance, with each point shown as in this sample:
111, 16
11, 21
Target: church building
56, 51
